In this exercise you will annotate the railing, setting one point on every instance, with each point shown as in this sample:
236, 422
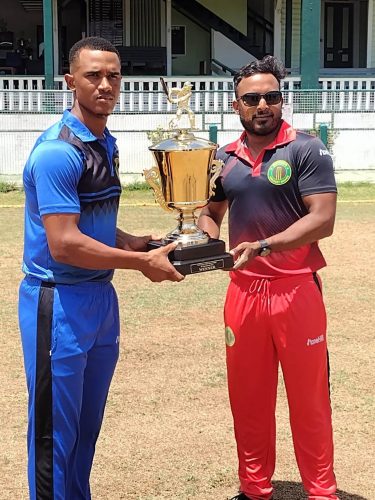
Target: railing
143, 97
365, 81
349, 116
220, 68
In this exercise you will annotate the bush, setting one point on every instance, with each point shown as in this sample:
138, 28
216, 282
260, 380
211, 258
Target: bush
7, 187
136, 186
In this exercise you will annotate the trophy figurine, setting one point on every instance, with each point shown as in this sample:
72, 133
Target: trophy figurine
183, 180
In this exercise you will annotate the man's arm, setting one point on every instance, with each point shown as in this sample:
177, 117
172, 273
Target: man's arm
211, 217
314, 226
131, 242
69, 245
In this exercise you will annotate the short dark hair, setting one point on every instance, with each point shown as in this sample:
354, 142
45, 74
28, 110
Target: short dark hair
269, 64
92, 43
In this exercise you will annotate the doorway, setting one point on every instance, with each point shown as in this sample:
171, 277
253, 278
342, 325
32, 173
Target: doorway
338, 35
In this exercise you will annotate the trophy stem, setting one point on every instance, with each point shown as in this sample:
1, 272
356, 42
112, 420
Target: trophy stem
187, 232
187, 222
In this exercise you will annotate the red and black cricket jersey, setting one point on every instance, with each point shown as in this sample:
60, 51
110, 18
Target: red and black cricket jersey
265, 196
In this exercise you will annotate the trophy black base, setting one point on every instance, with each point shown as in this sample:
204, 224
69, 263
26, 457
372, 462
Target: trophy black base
198, 258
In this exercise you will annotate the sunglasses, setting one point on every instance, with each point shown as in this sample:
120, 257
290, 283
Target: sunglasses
253, 98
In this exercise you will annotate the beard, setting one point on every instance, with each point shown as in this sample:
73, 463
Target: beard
96, 112
261, 127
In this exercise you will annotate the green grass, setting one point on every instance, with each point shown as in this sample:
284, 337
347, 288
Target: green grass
354, 191
135, 193
141, 193
168, 405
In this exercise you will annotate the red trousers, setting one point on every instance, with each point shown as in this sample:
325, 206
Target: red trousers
270, 322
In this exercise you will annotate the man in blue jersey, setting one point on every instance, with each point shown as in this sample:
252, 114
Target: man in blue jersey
68, 309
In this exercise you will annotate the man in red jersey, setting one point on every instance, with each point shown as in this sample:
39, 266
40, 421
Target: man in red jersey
280, 189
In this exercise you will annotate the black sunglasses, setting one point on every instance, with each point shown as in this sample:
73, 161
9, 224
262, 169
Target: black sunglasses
253, 98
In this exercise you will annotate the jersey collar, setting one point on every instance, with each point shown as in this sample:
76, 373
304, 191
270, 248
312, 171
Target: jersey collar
285, 135
80, 130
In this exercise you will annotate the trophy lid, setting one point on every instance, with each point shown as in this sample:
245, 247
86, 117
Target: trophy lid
183, 140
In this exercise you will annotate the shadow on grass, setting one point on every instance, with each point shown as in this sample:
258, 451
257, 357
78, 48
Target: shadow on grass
288, 490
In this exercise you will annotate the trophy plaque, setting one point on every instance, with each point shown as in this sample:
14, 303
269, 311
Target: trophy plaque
183, 180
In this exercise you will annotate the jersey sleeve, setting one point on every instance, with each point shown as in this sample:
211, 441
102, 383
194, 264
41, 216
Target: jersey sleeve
315, 169
56, 168
219, 194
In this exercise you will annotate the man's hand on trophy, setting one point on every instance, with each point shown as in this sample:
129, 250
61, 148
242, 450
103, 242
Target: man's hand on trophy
138, 243
133, 243
158, 267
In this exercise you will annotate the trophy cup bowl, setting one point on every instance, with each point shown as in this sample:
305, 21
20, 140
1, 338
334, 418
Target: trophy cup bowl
183, 181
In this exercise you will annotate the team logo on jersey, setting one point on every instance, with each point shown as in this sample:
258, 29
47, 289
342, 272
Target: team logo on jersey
279, 172
229, 336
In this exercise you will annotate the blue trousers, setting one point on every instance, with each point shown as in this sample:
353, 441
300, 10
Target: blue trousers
70, 339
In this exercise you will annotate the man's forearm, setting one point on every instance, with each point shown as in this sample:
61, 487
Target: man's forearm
122, 238
304, 231
206, 223
317, 224
82, 251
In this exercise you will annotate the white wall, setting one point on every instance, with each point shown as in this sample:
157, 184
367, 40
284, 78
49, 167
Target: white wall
353, 149
234, 13
228, 53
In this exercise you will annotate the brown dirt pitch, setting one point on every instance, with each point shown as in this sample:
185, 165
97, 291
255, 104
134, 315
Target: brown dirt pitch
167, 432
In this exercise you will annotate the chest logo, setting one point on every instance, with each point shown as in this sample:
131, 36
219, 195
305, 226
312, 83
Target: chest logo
279, 172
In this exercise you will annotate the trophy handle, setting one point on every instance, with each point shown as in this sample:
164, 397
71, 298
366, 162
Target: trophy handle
216, 168
152, 177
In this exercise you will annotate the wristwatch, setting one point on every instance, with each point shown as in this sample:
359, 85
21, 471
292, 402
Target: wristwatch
264, 249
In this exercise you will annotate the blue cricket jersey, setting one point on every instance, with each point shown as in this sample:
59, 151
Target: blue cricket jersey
73, 172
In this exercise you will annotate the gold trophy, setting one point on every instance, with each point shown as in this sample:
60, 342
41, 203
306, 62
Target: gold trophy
183, 181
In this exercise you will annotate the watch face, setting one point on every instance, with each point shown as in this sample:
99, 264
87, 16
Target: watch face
264, 248
265, 251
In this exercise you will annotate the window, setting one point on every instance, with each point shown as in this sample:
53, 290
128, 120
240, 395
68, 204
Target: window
178, 40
